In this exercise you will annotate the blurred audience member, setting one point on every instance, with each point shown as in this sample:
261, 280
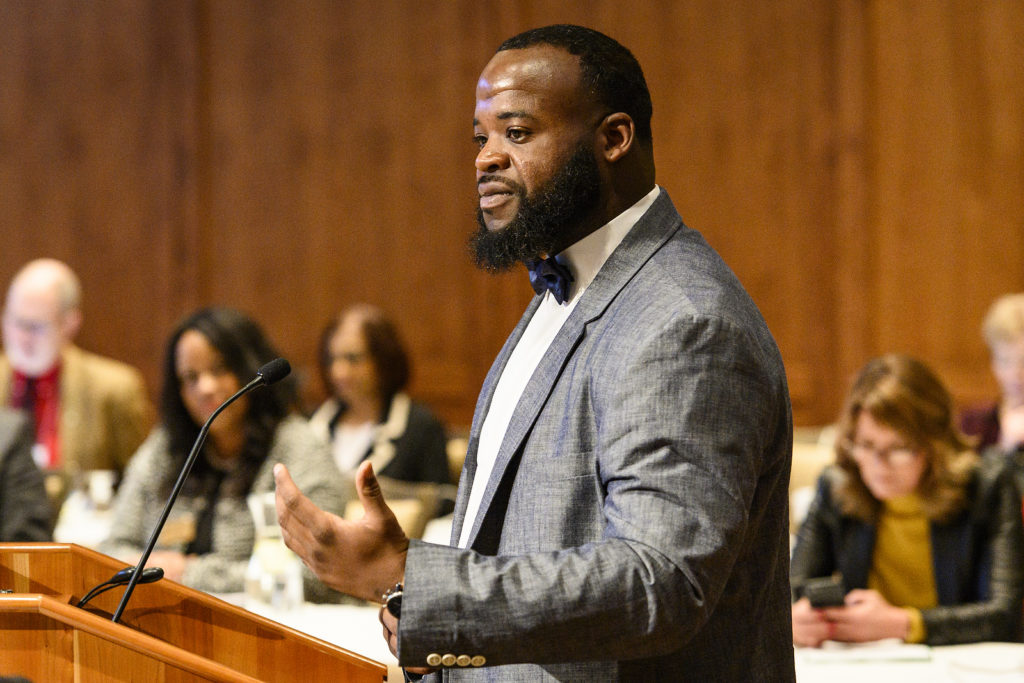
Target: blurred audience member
89, 412
365, 367
210, 533
25, 513
925, 535
1001, 423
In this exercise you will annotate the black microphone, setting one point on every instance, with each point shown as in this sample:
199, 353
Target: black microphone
272, 372
149, 575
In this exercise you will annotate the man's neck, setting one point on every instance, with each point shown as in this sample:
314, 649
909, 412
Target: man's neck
604, 213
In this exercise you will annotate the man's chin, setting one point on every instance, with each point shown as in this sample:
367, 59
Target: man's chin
495, 221
31, 366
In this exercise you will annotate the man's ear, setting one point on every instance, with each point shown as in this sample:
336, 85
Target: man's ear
71, 322
617, 136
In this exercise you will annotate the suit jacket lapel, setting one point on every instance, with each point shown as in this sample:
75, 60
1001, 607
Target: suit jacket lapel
5, 381
483, 402
650, 232
534, 397
69, 429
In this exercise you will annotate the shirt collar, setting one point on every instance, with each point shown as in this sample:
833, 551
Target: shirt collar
48, 378
585, 257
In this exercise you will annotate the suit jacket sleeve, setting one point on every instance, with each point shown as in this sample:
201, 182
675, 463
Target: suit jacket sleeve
678, 421
129, 416
25, 511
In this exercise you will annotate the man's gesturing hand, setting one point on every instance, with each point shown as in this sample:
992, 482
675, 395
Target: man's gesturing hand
362, 558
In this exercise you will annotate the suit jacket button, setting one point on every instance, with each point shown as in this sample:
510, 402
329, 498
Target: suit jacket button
478, 660
448, 660
433, 659
463, 660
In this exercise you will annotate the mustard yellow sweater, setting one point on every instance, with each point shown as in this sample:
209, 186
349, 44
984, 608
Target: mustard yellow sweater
901, 567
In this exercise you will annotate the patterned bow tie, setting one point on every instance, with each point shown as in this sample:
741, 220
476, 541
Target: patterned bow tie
549, 274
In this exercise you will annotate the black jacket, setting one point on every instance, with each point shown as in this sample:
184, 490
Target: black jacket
977, 557
25, 511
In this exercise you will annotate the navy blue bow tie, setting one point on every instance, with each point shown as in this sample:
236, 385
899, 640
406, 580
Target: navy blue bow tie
549, 274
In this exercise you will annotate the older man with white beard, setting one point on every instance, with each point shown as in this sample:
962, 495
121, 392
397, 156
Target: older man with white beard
88, 412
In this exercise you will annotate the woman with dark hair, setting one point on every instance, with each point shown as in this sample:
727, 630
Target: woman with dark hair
925, 536
364, 368
210, 533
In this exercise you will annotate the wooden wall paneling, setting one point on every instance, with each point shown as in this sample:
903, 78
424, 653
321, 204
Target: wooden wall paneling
379, 203
272, 168
991, 214
96, 162
858, 164
855, 295
946, 241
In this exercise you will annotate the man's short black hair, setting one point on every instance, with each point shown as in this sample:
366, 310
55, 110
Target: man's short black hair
608, 69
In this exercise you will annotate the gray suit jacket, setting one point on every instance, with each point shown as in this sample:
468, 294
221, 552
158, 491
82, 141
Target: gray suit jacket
635, 526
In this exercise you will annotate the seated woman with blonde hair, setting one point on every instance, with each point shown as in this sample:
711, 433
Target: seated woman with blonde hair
924, 535
1001, 423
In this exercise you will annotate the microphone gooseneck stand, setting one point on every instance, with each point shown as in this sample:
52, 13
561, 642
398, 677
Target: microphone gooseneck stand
268, 374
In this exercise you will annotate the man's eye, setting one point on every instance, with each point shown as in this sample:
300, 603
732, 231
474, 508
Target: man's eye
516, 134
480, 140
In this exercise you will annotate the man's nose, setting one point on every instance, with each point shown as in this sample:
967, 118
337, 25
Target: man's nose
490, 159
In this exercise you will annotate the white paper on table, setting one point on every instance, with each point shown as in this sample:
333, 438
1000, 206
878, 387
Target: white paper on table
888, 650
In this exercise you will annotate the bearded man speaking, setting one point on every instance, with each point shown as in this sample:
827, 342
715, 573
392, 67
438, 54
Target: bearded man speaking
622, 514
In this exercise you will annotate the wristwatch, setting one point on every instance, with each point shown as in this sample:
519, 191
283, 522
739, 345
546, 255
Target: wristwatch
392, 600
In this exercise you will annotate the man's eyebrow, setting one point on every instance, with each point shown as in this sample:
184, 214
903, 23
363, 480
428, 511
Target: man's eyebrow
505, 115
514, 115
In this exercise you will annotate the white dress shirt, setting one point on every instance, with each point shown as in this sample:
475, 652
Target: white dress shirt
584, 259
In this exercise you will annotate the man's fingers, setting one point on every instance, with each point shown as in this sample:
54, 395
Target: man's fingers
389, 626
285, 487
294, 509
369, 492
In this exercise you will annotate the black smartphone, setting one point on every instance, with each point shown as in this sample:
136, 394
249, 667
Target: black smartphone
827, 591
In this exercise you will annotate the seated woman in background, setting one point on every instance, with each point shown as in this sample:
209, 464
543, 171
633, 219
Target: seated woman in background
925, 535
1001, 423
364, 368
209, 535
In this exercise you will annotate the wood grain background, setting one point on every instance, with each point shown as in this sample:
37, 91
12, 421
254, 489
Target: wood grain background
859, 164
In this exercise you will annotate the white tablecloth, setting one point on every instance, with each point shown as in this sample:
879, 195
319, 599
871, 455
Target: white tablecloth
973, 663
356, 628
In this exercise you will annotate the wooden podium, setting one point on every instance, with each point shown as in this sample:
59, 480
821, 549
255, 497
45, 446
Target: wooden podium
167, 633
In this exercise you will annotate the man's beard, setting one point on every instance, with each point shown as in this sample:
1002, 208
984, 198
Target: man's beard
544, 218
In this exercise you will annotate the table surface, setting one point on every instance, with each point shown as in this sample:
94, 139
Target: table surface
975, 662
356, 628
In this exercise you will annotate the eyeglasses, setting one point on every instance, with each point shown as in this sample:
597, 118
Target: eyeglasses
350, 357
35, 328
896, 456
